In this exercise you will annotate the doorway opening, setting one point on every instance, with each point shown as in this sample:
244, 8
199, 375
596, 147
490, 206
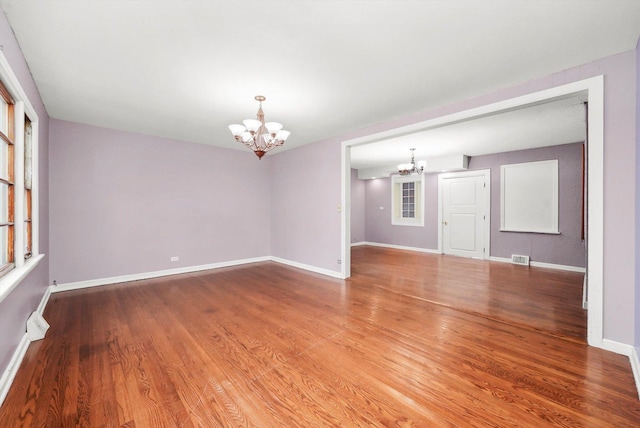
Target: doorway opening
593, 88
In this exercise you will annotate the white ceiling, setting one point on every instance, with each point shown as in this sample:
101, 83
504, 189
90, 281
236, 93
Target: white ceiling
187, 69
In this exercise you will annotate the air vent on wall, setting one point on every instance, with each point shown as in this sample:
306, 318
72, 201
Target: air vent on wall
520, 260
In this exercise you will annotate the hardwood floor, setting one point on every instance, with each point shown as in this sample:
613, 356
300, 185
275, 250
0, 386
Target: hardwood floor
541, 299
267, 345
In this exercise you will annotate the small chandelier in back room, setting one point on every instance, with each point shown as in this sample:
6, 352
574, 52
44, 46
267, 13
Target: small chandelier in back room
257, 135
410, 168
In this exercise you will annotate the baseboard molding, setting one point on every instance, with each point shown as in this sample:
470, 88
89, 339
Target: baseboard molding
543, 265
617, 347
356, 244
10, 373
628, 351
401, 247
148, 275
635, 368
310, 268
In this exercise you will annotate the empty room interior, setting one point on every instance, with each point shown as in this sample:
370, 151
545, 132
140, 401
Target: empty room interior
441, 229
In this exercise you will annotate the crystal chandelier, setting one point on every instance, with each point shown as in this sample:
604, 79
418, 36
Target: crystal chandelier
257, 135
410, 168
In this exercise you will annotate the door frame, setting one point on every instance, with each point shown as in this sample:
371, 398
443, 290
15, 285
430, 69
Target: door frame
594, 87
486, 173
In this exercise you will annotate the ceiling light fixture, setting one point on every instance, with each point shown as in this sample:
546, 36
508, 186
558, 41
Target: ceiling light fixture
410, 168
257, 135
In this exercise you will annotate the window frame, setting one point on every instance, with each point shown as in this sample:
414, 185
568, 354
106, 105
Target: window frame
8, 139
24, 262
397, 217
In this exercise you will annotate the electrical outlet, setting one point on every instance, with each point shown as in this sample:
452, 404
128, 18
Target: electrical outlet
174, 259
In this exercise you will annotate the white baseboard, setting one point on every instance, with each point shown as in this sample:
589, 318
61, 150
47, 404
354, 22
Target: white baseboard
10, 373
543, 265
628, 351
148, 275
617, 347
356, 244
310, 268
401, 247
635, 368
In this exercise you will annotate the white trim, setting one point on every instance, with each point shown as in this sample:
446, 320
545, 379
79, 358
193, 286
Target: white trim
356, 244
148, 275
310, 268
627, 351
15, 276
396, 200
617, 347
595, 212
10, 373
594, 87
635, 368
402, 247
567, 268
44, 301
345, 214
486, 173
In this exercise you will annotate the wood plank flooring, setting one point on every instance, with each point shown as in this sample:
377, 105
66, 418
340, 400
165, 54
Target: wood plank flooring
267, 345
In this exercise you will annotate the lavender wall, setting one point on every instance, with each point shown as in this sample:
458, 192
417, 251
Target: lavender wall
564, 249
17, 306
306, 192
124, 203
357, 207
378, 216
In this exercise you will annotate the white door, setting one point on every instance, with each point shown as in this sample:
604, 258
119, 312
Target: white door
465, 215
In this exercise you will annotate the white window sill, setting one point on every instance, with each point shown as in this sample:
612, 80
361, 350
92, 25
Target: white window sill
408, 223
16, 275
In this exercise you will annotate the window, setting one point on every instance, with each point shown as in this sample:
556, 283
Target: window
7, 213
28, 184
406, 200
19, 253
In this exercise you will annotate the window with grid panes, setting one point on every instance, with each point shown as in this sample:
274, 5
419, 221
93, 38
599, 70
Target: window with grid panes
406, 200
19, 249
7, 185
28, 185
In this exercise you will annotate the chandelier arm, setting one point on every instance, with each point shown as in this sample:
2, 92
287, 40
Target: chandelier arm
260, 140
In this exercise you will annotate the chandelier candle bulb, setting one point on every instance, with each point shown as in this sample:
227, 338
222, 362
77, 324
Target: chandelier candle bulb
258, 135
410, 168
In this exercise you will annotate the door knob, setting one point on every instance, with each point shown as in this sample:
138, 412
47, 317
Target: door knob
444, 222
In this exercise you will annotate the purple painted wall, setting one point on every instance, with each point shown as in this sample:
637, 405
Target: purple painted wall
357, 207
306, 192
124, 203
378, 216
564, 249
24, 299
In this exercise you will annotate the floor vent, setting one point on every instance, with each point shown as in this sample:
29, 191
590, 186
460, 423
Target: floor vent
520, 260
